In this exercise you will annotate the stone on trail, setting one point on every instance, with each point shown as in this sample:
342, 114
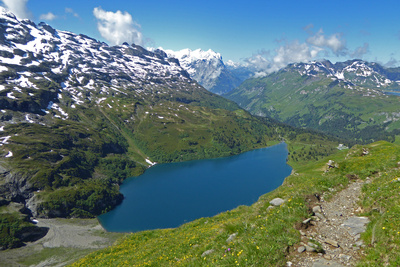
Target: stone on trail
317, 209
357, 225
332, 242
320, 216
310, 249
326, 263
359, 243
301, 249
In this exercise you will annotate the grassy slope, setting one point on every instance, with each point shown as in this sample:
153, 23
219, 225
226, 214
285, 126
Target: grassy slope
264, 237
78, 163
74, 166
320, 104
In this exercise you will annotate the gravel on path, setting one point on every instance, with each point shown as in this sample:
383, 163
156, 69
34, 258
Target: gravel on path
337, 228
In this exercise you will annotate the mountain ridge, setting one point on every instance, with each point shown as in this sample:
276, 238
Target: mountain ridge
347, 99
77, 117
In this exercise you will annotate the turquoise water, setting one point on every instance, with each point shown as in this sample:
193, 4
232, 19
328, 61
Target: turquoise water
168, 195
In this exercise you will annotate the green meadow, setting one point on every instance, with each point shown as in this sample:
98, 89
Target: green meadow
265, 237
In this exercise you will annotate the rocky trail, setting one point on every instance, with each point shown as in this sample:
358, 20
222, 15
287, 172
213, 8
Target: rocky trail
332, 236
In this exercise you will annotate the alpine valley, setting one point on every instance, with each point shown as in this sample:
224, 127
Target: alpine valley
353, 100
79, 116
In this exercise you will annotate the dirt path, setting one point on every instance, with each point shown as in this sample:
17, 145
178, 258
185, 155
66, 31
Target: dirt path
66, 241
336, 227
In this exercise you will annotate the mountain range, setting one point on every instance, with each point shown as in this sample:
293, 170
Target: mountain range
353, 99
78, 116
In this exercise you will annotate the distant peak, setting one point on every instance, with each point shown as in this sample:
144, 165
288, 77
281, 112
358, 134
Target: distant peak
193, 55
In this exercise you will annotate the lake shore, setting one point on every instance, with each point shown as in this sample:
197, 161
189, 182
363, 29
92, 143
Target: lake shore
169, 195
66, 241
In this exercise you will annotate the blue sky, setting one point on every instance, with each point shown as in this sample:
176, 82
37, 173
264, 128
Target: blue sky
262, 32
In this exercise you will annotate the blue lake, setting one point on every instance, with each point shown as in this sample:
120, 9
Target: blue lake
392, 93
168, 195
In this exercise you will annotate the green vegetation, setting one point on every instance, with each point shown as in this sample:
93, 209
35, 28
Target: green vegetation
363, 115
62, 158
88, 198
265, 236
73, 164
11, 227
76, 164
381, 202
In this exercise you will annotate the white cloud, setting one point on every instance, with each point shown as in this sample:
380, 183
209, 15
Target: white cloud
295, 51
360, 51
18, 8
333, 42
291, 53
71, 11
392, 63
48, 16
264, 62
316, 45
117, 27
258, 61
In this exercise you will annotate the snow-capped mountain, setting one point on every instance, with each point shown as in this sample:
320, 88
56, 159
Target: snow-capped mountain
207, 68
355, 73
240, 70
203, 66
78, 116
35, 55
350, 99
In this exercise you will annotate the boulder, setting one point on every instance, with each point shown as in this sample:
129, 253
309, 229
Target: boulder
207, 252
231, 238
277, 202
